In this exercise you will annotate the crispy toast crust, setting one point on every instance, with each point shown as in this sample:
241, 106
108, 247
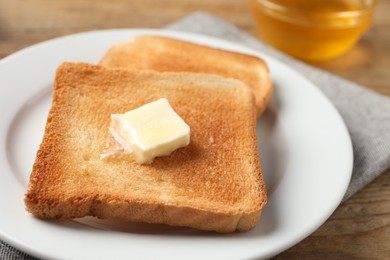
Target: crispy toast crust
215, 183
167, 54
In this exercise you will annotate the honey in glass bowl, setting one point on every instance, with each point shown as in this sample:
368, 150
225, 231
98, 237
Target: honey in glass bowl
312, 30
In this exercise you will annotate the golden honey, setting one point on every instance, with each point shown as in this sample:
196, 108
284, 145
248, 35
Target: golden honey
312, 29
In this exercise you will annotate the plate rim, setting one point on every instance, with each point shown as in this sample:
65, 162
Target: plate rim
183, 35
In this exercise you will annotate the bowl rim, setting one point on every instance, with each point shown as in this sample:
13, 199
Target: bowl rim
293, 15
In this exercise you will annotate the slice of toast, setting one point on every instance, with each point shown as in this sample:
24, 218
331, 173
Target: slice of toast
167, 54
215, 183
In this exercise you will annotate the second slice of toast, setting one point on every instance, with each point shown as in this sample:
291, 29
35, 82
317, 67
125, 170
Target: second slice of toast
171, 55
215, 183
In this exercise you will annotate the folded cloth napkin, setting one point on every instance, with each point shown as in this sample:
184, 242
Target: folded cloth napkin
366, 113
7, 252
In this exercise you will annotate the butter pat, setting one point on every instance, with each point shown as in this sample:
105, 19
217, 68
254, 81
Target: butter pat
150, 131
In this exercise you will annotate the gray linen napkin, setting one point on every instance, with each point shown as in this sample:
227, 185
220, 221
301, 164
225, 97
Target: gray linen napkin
366, 113
7, 252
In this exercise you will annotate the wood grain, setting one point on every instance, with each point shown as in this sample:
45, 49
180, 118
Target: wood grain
359, 228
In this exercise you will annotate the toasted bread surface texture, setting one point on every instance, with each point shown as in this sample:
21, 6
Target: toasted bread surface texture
168, 54
215, 183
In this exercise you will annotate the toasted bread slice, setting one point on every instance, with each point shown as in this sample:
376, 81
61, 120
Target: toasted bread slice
167, 54
215, 183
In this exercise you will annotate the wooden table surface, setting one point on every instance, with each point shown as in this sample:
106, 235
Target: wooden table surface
359, 228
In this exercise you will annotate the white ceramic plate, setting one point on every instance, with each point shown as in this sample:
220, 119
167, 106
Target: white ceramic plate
305, 149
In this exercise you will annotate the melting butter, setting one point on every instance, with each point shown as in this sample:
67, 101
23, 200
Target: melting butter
149, 131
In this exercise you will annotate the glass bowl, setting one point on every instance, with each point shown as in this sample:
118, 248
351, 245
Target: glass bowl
312, 30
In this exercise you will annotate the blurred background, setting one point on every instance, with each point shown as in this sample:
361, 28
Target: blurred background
360, 228
25, 22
